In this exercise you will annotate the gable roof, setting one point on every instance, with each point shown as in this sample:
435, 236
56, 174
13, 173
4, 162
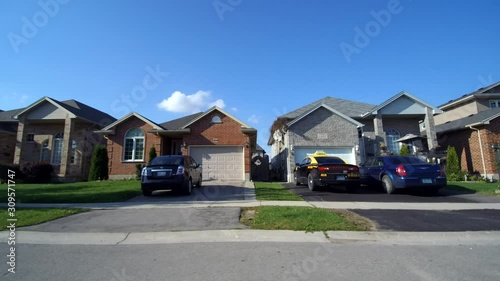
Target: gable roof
469, 96
396, 97
179, 122
328, 108
109, 128
8, 116
216, 108
74, 108
346, 107
480, 118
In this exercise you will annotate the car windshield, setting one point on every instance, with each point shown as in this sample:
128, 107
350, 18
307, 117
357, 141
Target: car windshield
405, 160
166, 161
329, 160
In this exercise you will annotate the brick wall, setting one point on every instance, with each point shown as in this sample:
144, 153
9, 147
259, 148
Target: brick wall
204, 132
115, 144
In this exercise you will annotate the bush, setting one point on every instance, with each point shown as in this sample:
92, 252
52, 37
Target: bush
4, 172
404, 151
452, 165
455, 176
99, 164
152, 153
138, 171
36, 173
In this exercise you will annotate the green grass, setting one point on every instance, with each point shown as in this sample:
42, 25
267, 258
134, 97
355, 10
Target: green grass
78, 192
303, 218
30, 216
475, 187
272, 191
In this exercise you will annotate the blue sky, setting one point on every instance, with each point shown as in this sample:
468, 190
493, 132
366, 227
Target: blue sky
258, 59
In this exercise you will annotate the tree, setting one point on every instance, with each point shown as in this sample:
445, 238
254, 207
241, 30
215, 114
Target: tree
404, 151
99, 164
152, 153
452, 165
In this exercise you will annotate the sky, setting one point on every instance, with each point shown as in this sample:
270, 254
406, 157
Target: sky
256, 59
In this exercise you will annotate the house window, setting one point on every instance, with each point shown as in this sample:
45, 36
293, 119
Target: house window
494, 103
57, 149
392, 135
216, 119
44, 153
30, 137
73, 152
134, 145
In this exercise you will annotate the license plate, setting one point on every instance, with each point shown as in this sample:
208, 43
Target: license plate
161, 174
341, 178
426, 180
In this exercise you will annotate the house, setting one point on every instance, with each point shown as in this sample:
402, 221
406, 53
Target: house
471, 124
214, 138
55, 132
348, 129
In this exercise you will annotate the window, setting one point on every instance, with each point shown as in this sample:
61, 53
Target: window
216, 119
392, 135
494, 103
73, 152
30, 137
57, 149
44, 153
134, 145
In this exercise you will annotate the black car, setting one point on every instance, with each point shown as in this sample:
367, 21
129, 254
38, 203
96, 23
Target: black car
174, 172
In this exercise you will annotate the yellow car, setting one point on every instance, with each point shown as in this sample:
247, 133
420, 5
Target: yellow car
320, 169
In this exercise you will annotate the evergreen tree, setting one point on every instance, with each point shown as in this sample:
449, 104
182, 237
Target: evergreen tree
404, 151
152, 153
99, 164
452, 165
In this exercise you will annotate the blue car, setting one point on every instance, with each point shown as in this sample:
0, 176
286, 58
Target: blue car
397, 172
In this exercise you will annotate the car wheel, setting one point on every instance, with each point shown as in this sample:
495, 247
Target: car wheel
387, 184
352, 187
146, 192
188, 188
310, 183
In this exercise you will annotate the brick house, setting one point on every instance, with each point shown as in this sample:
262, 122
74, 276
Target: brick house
55, 132
348, 129
471, 124
214, 138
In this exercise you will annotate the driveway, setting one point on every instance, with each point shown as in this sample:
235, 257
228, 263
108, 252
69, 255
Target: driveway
374, 194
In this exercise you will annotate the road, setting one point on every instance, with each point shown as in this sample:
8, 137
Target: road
255, 261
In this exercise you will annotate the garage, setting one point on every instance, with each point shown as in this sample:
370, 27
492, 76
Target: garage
346, 153
219, 162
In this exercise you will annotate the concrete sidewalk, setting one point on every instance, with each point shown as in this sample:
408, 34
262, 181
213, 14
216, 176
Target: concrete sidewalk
255, 203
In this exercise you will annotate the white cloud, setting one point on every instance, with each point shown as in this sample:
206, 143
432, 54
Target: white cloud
182, 103
234, 109
253, 119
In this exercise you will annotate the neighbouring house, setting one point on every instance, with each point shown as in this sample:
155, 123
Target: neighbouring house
53, 132
214, 138
471, 124
348, 129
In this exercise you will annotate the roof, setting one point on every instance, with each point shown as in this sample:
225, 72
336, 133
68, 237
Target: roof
346, 107
328, 108
216, 108
470, 95
74, 107
482, 117
8, 116
399, 95
131, 114
180, 122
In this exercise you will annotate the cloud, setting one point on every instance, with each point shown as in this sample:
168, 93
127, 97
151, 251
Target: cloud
253, 119
234, 109
182, 103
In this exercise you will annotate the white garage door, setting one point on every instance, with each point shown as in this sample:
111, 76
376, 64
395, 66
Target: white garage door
219, 162
346, 153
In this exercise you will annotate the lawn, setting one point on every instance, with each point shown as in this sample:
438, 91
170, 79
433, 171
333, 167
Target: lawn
29, 216
272, 191
77, 192
475, 187
303, 218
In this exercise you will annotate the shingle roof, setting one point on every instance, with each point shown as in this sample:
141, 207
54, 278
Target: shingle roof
7, 116
460, 124
346, 107
478, 91
180, 122
86, 112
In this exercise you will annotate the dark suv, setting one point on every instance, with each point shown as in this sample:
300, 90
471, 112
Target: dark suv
175, 172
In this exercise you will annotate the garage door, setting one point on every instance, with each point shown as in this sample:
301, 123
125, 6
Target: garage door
346, 153
219, 162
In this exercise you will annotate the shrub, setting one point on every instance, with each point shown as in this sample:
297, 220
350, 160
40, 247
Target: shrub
138, 171
99, 164
4, 172
455, 176
404, 151
152, 153
452, 165
36, 173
